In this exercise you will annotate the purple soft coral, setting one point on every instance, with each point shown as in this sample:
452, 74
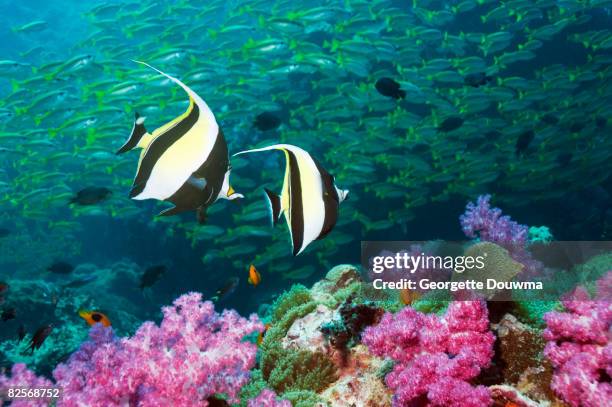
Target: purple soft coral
579, 347
435, 356
480, 220
488, 224
194, 354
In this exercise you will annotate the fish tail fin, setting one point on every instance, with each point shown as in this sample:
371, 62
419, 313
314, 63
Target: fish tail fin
15, 85
138, 131
275, 205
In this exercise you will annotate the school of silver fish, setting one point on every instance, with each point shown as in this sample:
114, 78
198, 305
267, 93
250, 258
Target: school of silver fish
466, 119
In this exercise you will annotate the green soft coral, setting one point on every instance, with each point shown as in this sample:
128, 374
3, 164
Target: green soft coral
303, 398
252, 389
299, 372
295, 370
531, 312
297, 295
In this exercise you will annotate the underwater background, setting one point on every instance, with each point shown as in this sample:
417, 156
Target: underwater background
415, 107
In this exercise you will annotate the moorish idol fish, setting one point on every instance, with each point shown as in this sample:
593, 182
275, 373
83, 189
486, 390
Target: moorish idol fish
309, 199
185, 161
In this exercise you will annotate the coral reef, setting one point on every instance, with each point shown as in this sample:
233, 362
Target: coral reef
507, 395
359, 381
435, 356
499, 264
310, 354
21, 376
345, 332
540, 234
334, 345
194, 354
55, 300
267, 398
519, 347
579, 346
289, 367
488, 224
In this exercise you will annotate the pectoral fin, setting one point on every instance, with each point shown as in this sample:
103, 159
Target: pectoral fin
175, 210
275, 205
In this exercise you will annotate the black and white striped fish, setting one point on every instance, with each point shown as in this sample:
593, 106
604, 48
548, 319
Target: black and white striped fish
309, 200
185, 161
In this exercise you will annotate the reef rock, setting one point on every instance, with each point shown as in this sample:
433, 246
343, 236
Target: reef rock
359, 382
305, 333
338, 278
504, 395
520, 347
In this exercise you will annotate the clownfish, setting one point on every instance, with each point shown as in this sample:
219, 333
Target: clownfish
94, 317
254, 276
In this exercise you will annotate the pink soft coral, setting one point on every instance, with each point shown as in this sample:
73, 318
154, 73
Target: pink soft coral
435, 356
194, 353
22, 377
267, 398
579, 347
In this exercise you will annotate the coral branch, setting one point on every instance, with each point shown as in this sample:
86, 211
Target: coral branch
194, 354
580, 348
435, 356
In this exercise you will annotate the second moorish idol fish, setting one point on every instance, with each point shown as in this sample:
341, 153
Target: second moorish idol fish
185, 161
309, 200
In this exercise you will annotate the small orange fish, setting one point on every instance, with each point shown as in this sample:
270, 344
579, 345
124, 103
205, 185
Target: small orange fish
409, 296
254, 276
95, 317
511, 404
261, 335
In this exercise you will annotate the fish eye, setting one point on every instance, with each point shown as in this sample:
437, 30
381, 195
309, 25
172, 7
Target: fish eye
96, 317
